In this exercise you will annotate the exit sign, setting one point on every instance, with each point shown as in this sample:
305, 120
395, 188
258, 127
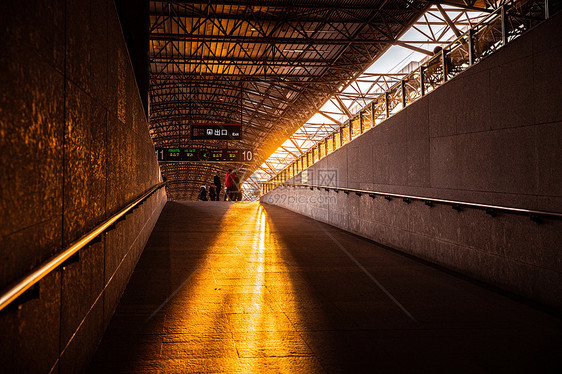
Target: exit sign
216, 131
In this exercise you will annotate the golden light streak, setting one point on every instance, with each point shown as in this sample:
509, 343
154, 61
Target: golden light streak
228, 317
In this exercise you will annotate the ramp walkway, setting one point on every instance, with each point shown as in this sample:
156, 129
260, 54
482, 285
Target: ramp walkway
249, 288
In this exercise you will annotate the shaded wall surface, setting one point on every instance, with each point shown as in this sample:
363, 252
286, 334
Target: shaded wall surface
75, 150
491, 135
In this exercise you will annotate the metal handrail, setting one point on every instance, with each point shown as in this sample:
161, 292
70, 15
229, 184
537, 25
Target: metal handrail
25, 283
487, 207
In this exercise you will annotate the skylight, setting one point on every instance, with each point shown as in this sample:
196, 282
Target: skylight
432, 30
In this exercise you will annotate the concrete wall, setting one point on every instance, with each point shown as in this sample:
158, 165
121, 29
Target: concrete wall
491, 135
75, 149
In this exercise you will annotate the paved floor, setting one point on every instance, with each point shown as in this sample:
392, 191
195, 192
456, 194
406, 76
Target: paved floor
248, 288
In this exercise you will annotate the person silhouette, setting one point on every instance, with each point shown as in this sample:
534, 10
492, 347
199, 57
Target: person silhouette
202, 194
228, 183
218, 186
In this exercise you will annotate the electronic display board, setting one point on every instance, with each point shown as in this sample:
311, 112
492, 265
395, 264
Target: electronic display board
216, 131
204, 154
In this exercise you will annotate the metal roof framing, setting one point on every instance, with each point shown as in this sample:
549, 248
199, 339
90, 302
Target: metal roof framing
268, 64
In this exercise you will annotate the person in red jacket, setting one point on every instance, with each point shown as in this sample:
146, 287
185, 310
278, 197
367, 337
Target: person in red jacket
228, 183
234, 190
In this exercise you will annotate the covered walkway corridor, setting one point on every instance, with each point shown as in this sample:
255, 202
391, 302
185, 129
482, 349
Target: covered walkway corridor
254, 288
406, 154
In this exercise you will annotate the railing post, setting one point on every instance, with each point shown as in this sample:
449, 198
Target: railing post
403, 88
471, 47
422, 85
504, 26
546, 9
444, 64
361, 122
386, 103
341, 136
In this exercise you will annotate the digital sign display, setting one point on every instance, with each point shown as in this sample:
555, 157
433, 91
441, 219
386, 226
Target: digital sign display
204, 155
216, 131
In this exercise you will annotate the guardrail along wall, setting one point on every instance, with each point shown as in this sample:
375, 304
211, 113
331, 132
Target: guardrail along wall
491, 135
75, 150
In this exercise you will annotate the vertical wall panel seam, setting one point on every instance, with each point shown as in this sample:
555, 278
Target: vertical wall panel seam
107, 116
536, 129
64, 128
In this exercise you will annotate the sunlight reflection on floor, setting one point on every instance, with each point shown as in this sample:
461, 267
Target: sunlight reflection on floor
232, 321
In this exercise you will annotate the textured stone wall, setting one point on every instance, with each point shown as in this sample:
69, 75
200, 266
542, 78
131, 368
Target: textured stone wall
491, 135
75, 149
